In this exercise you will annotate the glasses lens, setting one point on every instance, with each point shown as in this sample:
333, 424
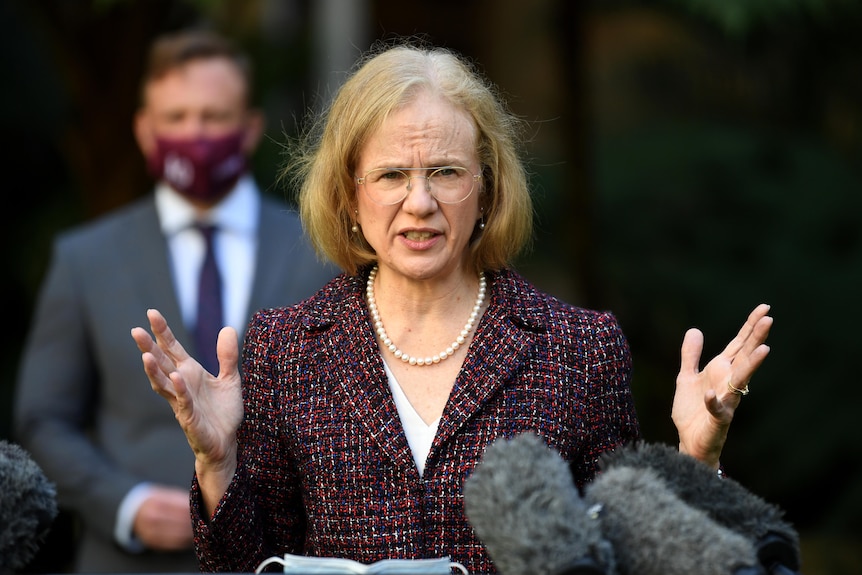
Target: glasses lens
386, 186
449, 184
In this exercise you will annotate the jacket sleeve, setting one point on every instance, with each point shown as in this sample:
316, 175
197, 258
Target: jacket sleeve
260, 515
609, 416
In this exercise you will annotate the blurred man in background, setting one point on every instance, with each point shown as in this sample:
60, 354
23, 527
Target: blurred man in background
206, 236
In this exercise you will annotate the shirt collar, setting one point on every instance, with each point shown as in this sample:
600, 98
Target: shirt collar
238, 211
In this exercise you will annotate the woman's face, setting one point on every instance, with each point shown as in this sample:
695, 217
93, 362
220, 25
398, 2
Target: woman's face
420, 237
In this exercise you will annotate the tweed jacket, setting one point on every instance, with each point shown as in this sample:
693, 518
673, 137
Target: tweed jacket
324, 467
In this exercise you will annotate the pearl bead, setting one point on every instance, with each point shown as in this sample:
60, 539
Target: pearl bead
448, 352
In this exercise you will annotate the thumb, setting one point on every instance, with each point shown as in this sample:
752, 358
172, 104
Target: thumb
692, 347
227, 350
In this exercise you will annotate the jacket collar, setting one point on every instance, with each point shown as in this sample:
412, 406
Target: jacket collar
512, 299
516, 315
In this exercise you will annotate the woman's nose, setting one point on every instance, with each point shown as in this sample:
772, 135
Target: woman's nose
419, 198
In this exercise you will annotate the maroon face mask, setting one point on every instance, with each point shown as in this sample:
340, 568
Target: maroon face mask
200, 169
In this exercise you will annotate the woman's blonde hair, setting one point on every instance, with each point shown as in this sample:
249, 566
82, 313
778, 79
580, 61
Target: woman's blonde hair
322, 162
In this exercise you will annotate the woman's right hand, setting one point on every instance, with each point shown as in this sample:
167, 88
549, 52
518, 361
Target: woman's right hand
209, 409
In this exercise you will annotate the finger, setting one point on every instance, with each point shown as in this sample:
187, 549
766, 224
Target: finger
156, 370
165, 337
159, 380
743, 367
170, 386
753, 353
714, 405
721, 408
745, 332
143, 339
147, 344
692, 347
758, 336
729, 400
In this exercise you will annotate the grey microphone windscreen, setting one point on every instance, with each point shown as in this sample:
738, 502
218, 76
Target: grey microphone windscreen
725, 500
28, 506
523, 505
653, 532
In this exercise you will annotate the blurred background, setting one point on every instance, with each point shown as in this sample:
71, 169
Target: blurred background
689, 158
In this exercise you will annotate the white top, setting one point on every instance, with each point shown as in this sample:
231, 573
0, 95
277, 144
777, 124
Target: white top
420, 435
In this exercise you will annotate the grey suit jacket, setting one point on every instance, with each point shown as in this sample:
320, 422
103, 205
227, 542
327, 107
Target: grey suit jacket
84, 408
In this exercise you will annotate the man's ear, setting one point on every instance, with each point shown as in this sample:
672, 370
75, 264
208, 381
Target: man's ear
255, 124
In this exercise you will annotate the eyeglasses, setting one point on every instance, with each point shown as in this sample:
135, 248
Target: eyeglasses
448, 184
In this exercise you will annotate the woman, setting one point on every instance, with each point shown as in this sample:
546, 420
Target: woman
362, 410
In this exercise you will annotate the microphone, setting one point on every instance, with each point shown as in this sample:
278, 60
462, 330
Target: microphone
654, 532
524, 507
28, 506
724, 500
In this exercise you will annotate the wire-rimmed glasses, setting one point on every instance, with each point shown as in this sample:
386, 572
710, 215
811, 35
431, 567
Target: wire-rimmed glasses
447, 184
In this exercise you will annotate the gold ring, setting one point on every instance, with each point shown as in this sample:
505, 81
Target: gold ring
737, 390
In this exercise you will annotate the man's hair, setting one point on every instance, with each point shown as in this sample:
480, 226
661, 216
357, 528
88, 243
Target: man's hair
176, 49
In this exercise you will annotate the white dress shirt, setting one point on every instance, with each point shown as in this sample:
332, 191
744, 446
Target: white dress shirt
236, 218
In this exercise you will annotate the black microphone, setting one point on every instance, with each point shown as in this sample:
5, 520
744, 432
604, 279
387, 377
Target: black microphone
28, 506
524, 507
724, 500
654, 532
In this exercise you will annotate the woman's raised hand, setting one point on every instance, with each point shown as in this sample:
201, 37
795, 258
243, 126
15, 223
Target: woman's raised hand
209, 409
705, 400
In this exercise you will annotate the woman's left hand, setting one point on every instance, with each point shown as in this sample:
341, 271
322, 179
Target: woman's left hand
705, 400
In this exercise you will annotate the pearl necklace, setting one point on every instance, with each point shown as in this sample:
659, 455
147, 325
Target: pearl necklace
450, 350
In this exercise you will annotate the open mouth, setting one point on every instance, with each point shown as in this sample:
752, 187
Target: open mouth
418, 236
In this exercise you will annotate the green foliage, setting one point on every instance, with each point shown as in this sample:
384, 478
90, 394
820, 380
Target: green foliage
699, 223
740, 17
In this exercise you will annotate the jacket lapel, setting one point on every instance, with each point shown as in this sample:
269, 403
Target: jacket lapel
504, 337
360, 380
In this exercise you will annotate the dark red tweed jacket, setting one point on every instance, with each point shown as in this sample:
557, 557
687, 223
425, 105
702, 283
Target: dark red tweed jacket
324, 466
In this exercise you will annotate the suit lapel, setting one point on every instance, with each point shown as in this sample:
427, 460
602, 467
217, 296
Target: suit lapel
272, 269
286, 269
151, 268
